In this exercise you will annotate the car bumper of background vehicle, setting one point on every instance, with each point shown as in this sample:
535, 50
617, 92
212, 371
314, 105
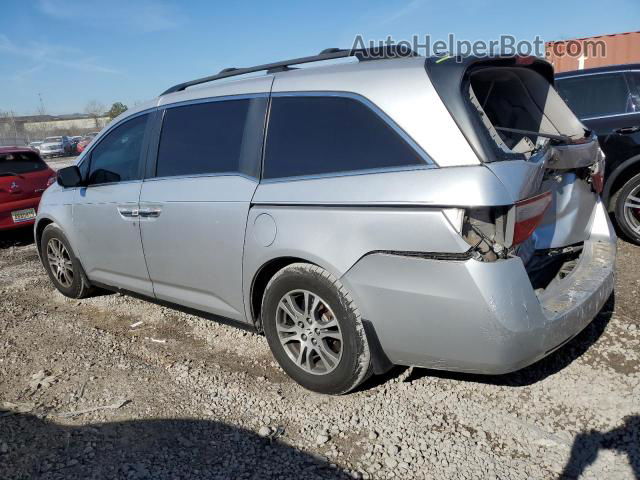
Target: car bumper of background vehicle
6, 220
480, 317
46, 153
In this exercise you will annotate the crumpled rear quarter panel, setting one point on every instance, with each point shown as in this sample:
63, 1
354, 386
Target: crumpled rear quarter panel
481, 317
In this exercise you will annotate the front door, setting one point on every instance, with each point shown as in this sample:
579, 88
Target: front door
105, 212
193, 213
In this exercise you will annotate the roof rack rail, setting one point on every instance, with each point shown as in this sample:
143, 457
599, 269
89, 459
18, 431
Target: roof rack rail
362, 54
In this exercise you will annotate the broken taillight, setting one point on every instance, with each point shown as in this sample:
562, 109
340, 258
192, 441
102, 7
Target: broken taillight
529, 213
597, 180
597, 176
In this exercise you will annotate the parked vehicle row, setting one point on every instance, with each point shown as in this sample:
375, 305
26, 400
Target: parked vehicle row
62, 145
410, 211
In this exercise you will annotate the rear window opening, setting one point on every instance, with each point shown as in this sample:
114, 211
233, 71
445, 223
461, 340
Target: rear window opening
521, 110
20, 162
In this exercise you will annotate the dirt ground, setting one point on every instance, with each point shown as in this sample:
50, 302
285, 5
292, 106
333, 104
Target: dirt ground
115, 387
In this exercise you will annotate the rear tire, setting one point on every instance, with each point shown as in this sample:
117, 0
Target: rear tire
314, 330
61, 264
627, 215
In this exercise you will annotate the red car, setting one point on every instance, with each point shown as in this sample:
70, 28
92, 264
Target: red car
84, 141
23, 178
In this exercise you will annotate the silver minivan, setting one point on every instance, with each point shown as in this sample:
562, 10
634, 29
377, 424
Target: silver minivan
383, 209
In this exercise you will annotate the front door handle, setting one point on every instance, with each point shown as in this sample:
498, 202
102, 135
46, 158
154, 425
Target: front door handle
128, 212
628, 130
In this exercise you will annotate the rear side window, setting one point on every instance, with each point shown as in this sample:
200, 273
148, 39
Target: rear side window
208, 138
596, 95
634, 84
20, 162
319, 135
118, 155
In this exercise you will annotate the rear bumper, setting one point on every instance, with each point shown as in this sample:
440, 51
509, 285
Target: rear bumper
6, 221
477, 316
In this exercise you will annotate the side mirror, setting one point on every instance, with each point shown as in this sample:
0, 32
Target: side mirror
69, 177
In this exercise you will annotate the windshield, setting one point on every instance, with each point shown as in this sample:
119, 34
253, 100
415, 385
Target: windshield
19, 163
53, 139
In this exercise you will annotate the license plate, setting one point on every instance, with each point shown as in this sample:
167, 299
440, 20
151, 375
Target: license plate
23, 215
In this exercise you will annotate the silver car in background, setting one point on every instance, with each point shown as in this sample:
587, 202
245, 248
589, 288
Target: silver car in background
55, 146
434, 212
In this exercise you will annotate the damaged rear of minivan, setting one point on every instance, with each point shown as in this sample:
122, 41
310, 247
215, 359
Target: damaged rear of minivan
528, 137
522, 130
541, 265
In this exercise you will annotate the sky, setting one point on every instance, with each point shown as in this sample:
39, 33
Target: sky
70, 52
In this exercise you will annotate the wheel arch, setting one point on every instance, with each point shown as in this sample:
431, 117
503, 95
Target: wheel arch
260, 280
380, 361
41, 224
626, 170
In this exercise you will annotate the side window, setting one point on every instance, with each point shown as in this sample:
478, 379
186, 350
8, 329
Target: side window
316, 135
216, 137
596, 95
634, 83
118, 155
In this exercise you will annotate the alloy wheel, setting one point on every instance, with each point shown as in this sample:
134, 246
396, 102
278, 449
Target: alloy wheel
309, 332
60, 262
632, 210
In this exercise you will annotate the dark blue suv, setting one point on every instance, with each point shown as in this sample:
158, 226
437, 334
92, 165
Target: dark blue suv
607, 100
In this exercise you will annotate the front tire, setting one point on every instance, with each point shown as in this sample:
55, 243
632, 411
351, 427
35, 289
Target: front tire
314, 329
627, 209
61, 264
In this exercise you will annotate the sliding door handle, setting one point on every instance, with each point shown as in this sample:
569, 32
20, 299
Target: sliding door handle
151, 212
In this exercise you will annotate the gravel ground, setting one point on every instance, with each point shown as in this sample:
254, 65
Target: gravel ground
115, 387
